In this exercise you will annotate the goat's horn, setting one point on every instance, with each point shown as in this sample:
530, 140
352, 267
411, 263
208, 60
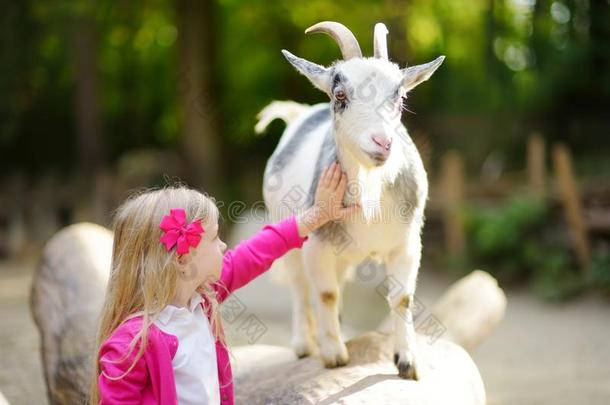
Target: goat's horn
380, 43
344, 37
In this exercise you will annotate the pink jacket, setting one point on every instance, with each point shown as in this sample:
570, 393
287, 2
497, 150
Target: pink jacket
151, 381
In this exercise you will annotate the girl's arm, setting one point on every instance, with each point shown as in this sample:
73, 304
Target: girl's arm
254, 256
125, 390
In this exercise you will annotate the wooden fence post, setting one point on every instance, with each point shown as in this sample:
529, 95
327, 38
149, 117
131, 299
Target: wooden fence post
571, 202
536, 168
452, 169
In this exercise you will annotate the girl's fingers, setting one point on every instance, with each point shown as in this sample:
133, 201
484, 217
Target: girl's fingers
335, 176
325, 179
342, 185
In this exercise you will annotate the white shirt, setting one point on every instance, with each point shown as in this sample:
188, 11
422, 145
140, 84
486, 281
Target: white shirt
195, 367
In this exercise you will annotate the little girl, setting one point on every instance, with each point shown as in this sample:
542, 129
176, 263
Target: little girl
160, 338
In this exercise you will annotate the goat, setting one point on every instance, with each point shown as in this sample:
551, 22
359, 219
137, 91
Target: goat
361, 129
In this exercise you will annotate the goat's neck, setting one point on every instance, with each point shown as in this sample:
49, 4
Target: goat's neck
365, 184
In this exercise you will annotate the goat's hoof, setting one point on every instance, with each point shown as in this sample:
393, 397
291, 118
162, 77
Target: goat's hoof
406, 368
337, 361
334, 354
302, 352
303, 349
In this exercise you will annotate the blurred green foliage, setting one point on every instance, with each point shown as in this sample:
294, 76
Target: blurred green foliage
512, 66
600, 272
135, 45
506, 238
520, 240
499, 230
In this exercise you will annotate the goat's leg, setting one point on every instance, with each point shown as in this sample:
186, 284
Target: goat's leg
303, 326
321, 266
402, 272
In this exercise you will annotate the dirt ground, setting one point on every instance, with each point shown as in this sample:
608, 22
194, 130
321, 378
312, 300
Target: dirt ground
540, 354
21, 378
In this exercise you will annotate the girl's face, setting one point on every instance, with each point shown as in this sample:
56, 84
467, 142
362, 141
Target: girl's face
203, 263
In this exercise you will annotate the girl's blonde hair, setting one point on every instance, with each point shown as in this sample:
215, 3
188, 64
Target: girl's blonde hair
143, 274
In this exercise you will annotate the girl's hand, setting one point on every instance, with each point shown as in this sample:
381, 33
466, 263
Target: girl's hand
328, 201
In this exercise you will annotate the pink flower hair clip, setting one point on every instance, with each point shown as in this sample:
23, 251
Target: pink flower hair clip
178, 233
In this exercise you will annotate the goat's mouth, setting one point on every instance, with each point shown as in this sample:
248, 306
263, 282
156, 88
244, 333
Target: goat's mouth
378, 158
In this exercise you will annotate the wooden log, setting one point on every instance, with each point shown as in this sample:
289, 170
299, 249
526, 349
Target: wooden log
571, 202
447, 375
66, 298
471, 309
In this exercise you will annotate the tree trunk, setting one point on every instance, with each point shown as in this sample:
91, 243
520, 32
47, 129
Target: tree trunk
199, 141
88, 109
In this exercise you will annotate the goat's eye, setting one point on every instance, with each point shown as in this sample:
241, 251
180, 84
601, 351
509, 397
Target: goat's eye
340, 95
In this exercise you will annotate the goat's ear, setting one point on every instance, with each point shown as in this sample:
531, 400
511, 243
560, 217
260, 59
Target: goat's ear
318, 75
414, 75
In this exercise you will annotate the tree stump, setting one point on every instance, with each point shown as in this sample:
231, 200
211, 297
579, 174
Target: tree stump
272, 375
470, 309
67, 294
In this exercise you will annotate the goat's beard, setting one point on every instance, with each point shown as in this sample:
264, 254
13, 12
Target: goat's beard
368, 193
365, 182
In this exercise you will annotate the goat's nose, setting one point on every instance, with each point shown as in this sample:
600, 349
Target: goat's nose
383, 141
